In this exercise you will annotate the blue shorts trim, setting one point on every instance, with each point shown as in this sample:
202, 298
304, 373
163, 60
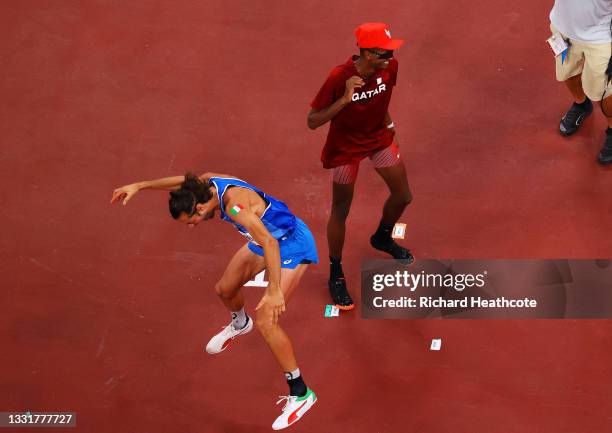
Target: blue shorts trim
296, 248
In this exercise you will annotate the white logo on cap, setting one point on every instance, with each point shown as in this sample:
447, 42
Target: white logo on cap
388, 33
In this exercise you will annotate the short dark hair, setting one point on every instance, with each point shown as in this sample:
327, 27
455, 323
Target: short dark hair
185, 199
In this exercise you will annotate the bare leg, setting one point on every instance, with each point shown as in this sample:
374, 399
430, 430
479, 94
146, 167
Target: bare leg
400, 197
574, 84
276, 339
242, 268
342, 197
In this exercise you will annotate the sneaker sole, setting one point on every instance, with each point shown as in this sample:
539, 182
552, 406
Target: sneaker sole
340, 306
382, 250
567, 134
405, 262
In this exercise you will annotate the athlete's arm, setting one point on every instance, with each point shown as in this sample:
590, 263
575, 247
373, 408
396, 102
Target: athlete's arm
239, 210
171, 183
318, 118
126, 192
389, 121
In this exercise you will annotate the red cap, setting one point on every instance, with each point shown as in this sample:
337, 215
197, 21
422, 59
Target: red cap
376, 35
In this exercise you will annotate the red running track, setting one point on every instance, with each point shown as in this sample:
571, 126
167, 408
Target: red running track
105, 310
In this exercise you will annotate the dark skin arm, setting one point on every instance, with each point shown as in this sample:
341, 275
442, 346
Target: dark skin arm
318, 118
389, 121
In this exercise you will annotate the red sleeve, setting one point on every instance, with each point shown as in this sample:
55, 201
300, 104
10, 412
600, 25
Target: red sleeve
332, 89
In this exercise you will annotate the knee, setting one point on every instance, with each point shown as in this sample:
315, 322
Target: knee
262, 323
223, 290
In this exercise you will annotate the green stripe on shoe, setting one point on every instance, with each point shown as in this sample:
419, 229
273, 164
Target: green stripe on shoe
308, 393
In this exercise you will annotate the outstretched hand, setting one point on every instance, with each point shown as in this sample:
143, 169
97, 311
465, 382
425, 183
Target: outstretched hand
273, 304
125, 192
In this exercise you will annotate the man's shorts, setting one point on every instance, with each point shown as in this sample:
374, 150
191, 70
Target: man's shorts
590, 60
296, 248
387, 157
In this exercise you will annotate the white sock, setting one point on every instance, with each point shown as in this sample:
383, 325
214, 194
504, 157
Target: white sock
289, 375
239, 319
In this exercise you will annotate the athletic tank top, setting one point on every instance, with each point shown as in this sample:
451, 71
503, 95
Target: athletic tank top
277, 217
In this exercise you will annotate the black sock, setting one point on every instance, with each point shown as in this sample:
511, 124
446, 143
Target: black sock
335, 268
584, 103
609, 130
383, 232
297, 386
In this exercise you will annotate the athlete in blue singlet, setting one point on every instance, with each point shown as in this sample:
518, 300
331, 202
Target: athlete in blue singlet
279, 242
278, 220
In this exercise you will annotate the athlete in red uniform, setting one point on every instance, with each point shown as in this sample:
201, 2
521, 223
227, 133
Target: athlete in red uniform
355, 100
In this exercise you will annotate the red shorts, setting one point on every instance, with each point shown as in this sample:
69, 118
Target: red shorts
387, 157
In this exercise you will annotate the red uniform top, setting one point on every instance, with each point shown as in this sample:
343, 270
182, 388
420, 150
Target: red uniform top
359, 129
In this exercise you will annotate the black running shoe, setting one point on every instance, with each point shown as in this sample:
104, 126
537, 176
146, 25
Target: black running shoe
389, 246
574, 117
339, 293
605, 155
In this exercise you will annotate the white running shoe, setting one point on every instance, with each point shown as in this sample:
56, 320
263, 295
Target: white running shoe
294, 408
219, 342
